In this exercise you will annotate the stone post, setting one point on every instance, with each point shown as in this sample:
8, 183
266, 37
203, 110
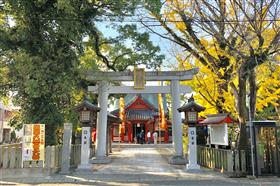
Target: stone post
101, 131
85, 149
192, 154
177, 121
66, 148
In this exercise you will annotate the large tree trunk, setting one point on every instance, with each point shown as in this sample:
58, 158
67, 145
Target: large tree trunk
253, 93
242, 110
221, 99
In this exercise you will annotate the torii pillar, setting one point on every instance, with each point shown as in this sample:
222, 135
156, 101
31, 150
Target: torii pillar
101, 132
177, 121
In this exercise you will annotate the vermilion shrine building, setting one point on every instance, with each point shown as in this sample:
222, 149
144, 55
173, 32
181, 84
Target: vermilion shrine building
142, 113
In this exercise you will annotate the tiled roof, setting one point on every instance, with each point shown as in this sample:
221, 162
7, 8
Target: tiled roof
150, 99
218, 119
140, 114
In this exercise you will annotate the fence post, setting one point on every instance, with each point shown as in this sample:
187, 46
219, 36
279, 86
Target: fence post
52, 165
6, 157
12, 157
19, 157
230, 161
243, 161
48, 158
66, 148
237, 165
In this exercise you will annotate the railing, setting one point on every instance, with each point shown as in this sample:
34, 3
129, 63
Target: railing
228, 161
11, 157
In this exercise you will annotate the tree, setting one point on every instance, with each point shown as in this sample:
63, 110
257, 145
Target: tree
245, 34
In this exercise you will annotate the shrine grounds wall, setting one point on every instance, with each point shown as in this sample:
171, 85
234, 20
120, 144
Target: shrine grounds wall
11, 161
230, 162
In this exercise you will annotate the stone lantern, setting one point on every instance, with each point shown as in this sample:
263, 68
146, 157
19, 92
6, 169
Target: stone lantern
87, 116
87, 113
191, 110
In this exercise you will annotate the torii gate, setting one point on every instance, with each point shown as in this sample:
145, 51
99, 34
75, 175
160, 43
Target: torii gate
103, 89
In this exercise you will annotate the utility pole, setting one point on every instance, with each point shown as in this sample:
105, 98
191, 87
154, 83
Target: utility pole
251, 137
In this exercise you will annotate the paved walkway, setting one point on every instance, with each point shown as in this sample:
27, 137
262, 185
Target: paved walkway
140, 165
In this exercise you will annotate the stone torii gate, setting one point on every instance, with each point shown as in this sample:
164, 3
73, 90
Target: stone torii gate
104, 88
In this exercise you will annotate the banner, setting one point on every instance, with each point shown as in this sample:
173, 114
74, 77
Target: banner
161, 112
122, 115
33, 142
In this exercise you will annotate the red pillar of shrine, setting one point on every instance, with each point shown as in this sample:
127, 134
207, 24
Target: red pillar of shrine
129, 128
122, 134
166, 136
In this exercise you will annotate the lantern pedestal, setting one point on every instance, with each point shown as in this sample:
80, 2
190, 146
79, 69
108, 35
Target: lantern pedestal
100, 160
85, 149
177, 160
192, 151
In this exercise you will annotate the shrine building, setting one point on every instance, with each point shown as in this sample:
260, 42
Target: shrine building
142, 112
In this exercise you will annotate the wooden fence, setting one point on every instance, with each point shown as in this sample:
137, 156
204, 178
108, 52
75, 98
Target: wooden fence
11, 157
230, 162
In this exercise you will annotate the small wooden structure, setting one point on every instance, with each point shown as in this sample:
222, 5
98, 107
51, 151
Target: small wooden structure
218, 127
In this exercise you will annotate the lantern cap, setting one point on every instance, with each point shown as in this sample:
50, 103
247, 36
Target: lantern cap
191, 106
87, 104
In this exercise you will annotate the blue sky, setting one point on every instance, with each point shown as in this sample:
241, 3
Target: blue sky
164, 44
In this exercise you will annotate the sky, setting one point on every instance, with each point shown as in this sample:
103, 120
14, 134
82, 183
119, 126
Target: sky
165, 45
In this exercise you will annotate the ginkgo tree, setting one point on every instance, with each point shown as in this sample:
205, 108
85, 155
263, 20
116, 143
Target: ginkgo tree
243, 34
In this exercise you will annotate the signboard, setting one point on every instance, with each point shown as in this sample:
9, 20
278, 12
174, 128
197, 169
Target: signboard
219, 134
33, 142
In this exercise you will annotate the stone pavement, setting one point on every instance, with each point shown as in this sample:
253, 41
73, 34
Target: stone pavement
140, 165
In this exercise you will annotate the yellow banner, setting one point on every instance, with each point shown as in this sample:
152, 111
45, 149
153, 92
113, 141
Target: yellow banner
122, 115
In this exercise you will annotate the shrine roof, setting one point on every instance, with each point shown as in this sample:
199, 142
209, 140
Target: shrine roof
113, 119
218, 119
150, 99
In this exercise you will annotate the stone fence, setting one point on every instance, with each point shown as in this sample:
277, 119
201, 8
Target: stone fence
11, 160
230, 162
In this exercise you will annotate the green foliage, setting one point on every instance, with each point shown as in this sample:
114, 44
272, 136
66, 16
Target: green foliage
43, 54
128, 48
268, 113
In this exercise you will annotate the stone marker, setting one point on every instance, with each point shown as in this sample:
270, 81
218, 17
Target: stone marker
192, 165
66, 148
85, 149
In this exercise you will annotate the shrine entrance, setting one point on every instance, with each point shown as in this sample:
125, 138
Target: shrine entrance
137, 128
139, 76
